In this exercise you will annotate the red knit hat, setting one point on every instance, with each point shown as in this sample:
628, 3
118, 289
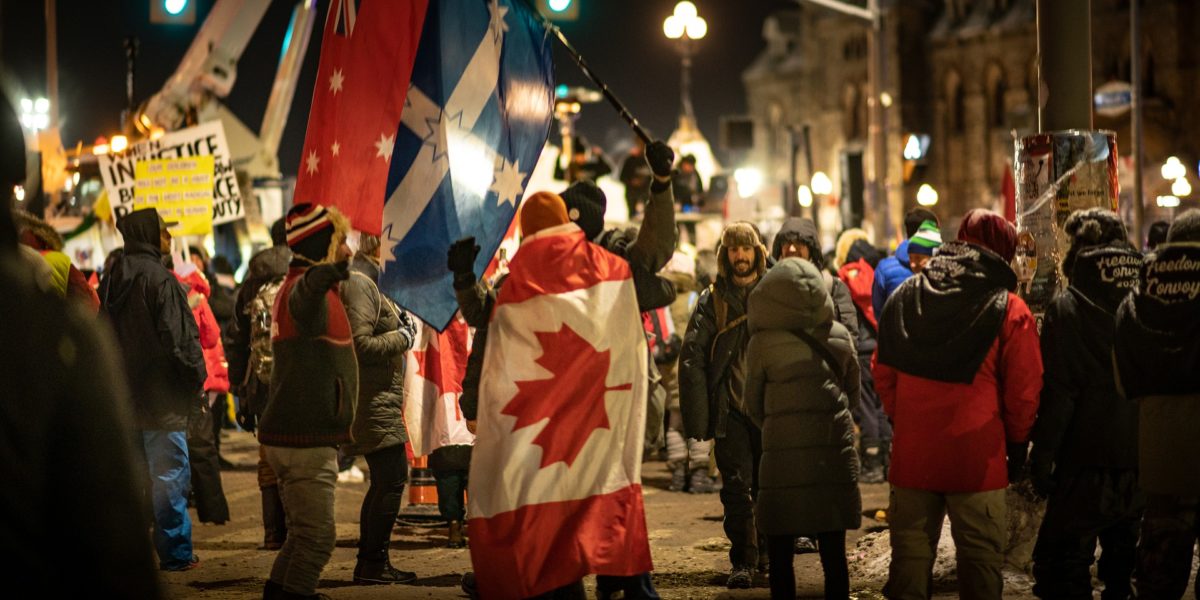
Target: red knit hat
542, 210
988, 229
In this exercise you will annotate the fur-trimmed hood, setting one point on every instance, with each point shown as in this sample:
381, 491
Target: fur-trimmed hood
36, 233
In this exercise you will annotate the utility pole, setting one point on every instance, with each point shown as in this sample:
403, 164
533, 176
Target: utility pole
53, 196
1064, 32
1135, 44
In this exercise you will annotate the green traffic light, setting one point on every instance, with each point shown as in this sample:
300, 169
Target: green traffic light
174, 7
559, 5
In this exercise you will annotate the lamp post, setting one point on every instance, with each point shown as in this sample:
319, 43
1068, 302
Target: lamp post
926, 195
685, 25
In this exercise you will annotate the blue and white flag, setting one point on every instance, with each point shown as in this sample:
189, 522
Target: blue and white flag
476, 116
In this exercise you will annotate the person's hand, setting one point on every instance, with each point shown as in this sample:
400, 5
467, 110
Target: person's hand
472, 426
461, 257
661, 158
1018, 452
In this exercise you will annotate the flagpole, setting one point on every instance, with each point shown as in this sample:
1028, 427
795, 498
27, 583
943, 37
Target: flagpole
587, 71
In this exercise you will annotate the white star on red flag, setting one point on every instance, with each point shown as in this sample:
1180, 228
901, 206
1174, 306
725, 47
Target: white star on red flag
335, 81
383, 147
312, 161
335, 148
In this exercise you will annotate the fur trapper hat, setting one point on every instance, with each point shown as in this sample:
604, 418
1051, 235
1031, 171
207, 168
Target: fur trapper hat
741, 233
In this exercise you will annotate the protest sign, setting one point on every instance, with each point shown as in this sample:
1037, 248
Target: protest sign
119, 172
180, 189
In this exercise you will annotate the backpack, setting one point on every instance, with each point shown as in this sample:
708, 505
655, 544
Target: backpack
261, 324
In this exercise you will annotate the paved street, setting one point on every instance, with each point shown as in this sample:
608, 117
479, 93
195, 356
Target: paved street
688, 546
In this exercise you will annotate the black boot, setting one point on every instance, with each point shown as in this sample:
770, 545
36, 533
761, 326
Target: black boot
455, 537
274, 525
872, 465
367, 574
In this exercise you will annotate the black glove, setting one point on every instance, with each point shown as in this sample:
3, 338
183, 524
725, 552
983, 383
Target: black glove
661, 158
1017, 453
408, 329
461, 261
1042, 477
245, 419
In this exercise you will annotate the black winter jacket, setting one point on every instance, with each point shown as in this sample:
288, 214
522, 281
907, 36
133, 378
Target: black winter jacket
714, 344
1083, 421
159, 339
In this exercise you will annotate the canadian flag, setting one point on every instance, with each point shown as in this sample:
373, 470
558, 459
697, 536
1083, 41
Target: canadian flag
555, 482
433, 378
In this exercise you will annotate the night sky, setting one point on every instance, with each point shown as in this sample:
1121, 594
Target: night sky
622, 40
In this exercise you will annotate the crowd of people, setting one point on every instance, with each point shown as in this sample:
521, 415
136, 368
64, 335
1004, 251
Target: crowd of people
780, 377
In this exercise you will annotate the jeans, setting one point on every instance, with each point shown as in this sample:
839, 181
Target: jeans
170, 478
451, 487
307, 477
977, 524
633, 587
389, 473
737, 455
782, 552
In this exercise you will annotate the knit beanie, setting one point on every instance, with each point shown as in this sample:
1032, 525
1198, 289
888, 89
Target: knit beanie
988, 229
1186, 227
914, 218
1091, 227
310, 231
542, 210
927, 239
586, 204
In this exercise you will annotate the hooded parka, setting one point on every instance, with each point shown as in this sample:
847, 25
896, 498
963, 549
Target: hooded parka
159, 339
808, 477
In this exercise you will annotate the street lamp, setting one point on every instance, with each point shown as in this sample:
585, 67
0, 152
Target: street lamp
1173, 168
749, 181
926, 195
685, 25
821, 184
804, 196
1181, 188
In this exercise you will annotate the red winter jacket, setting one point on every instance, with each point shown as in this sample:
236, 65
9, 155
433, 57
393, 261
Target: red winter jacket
210, 332
949, 437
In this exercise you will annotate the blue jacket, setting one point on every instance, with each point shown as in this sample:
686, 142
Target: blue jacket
889, 274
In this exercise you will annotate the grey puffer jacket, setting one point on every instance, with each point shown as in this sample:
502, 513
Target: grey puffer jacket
808, 477
382, 334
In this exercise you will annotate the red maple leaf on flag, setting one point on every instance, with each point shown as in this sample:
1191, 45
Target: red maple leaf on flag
572, 398
443, 362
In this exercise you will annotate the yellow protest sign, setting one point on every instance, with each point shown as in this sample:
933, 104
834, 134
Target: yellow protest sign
180, 189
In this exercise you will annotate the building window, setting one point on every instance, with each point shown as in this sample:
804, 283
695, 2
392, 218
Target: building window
997, 89
955, 102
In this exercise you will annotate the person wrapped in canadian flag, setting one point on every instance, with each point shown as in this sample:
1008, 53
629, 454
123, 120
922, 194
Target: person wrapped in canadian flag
555, 482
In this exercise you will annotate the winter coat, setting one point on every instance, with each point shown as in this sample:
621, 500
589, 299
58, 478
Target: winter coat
40, 236
1083, 421
380, 340
808, 475
159, 339
314, 374
806, 231
959, 313
72, 472
210, 332
889, 274
713, 346
266, 266
1157, 355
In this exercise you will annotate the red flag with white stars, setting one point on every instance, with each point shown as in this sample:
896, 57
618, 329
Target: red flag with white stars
434, 371
367, 54
555, 482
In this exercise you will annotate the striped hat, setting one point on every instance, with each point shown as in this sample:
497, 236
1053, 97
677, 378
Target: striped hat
303, 220
925, 240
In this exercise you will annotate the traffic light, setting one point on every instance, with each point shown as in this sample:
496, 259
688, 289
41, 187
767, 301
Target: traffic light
559, 10
173, 12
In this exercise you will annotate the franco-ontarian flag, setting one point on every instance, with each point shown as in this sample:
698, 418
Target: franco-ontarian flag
555, 482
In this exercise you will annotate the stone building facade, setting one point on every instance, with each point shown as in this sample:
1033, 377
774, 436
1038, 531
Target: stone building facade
963, 73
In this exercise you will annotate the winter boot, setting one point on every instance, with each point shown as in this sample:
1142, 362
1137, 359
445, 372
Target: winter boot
370, 574
455, 537
701, 483
274, 525
740, 578
805, 545
678, 479
872, 466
